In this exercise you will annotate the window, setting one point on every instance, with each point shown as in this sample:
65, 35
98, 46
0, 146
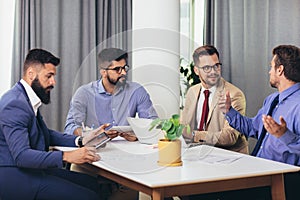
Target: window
191, 32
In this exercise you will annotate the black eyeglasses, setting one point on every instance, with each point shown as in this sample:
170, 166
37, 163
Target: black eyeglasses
208, 68
119, 69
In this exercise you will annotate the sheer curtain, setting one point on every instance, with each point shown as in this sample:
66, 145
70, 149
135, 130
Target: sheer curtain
245, 32
74, 30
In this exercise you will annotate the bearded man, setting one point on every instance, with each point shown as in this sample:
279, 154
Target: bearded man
111, 99
26, 164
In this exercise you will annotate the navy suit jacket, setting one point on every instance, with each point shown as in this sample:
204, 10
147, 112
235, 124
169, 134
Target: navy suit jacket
23, 141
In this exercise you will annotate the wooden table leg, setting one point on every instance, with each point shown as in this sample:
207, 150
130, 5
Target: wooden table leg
277, 187
157, 194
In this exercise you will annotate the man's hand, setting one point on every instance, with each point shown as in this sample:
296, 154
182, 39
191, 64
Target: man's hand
129, 136
82, 155
89, 135
112, 133
273, 127
224, 102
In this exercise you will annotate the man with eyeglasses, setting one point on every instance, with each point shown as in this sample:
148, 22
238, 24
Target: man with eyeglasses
109, 100
207, 121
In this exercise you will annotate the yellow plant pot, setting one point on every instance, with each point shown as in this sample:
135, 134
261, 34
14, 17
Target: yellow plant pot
169, 152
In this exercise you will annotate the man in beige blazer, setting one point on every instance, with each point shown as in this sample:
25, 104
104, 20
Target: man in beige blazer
216, 131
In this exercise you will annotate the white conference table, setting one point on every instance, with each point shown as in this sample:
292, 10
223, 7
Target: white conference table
205, 169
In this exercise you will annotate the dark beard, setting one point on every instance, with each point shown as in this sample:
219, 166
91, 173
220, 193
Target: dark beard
41, 92
117, 82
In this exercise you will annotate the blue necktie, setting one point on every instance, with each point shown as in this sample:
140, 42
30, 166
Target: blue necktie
263, 132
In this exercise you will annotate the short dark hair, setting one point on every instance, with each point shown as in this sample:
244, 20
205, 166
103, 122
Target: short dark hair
106, 56
39, 56
289, 57
206, 50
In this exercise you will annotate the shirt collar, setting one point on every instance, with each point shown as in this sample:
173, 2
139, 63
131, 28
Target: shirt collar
34, 99
101, 89
287, 92
211, 90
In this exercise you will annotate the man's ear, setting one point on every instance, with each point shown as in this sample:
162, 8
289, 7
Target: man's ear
196, 70
103, 72
280, 70
31, 73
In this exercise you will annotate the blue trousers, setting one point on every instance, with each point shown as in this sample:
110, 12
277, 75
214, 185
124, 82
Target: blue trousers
29, 184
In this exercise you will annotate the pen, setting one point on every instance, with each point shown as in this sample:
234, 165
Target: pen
82, 126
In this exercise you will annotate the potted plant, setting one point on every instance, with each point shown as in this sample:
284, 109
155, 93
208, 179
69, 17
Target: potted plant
170, 147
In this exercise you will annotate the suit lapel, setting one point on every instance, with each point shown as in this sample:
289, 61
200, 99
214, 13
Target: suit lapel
193, 106
40, 122
43, 128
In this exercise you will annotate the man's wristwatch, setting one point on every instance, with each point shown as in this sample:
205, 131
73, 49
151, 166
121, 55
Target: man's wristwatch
193, 136
80, 141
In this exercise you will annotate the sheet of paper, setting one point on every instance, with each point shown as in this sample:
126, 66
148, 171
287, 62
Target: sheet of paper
212, 158
121, 129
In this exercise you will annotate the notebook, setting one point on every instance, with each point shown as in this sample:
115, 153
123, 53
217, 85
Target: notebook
140, 127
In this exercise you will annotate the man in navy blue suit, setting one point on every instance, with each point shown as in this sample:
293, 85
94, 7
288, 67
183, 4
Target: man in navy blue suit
28, 170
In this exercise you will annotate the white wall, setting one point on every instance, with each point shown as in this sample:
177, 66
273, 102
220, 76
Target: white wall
155, 52
6, 38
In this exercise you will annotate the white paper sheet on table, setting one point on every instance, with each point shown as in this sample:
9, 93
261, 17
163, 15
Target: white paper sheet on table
212, 158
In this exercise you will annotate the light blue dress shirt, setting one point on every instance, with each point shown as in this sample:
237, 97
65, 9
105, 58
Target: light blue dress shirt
285, 148
93, 106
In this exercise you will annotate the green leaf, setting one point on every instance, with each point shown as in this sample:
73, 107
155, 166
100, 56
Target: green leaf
188, 129
175, 119
179, 130
166, 125
172, 129
155, 123
172, 136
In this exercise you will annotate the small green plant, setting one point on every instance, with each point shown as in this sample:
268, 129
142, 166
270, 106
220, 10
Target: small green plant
172, 127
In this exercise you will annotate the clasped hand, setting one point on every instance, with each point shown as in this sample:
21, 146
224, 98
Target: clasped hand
127, 135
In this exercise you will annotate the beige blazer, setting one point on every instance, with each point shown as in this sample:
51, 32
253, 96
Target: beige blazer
218, 132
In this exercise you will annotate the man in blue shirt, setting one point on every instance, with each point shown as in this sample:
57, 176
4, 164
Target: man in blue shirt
109, 100
282, 139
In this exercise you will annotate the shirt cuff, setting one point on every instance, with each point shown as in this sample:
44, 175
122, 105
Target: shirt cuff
76, 141
230, 114
288, 137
